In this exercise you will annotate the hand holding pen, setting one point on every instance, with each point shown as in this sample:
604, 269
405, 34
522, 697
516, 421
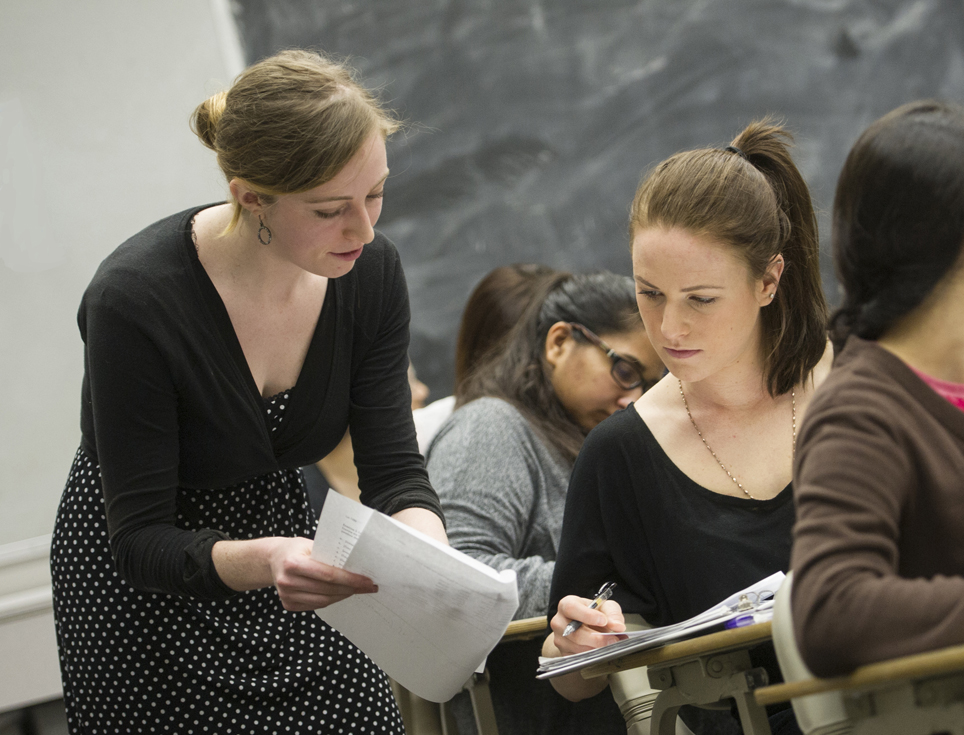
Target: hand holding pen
605, 592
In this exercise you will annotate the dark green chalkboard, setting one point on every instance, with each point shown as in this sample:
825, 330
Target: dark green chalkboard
533, 121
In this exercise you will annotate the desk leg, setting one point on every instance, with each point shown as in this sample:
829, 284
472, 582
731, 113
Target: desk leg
665, 710
753, 717
706, 681
482, 707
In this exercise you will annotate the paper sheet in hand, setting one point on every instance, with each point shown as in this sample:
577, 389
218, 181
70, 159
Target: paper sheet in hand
437, 613
640, 640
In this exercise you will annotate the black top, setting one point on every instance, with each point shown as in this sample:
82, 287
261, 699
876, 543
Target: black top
169, 401
673, 547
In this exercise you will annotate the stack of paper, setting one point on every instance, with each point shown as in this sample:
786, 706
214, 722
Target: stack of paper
437, 613
759, 595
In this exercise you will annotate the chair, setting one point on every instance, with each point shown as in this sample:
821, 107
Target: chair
922, 694
705, 672
818, 714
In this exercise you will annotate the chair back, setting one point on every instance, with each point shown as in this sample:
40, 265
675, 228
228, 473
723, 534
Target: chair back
817, 714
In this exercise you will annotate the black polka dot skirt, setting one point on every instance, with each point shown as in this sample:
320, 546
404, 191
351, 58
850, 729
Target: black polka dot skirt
135, 661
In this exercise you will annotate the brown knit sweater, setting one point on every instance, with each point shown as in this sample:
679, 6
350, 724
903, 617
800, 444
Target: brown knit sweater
878, 554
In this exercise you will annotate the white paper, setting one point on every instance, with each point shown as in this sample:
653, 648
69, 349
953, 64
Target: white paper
437, 613
760, 595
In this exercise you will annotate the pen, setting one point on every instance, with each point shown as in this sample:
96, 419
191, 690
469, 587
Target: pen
605, 592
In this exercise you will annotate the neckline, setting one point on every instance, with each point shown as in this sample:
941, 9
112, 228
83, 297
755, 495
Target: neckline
743, 502
225, 327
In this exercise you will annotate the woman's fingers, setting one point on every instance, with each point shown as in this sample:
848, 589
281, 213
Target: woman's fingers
304, 583
607, 618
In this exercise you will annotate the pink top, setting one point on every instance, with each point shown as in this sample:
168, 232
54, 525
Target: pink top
953, 392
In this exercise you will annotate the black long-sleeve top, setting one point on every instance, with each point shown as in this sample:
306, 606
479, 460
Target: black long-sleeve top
168, 401
673, 547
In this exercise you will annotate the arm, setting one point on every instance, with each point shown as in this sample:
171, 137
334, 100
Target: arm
608, 618
391, 471
485, 469
136, 425
134, 407
584, 562
425, 521
856, 476
338, 467
285, 563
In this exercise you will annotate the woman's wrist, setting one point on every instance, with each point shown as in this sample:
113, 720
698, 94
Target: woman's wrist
245, 564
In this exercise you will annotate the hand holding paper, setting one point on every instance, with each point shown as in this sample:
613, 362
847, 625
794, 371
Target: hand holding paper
437, 613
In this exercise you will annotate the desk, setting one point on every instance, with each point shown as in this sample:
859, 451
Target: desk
918, 694
526, 629
702, 671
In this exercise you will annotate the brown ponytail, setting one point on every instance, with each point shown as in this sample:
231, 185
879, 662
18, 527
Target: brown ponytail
754, 199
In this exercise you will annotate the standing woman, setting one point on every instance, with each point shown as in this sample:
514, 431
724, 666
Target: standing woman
685, 497
225, 347
878, 552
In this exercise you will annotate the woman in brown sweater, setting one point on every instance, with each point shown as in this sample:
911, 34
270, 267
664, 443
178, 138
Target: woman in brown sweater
879, 476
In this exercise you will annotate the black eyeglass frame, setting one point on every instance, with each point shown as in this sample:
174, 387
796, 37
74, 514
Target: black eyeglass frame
616, 358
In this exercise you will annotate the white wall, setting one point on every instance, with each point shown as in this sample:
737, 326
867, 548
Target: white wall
95, 97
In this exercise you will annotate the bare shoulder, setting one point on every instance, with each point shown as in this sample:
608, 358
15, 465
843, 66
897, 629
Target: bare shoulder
819, 374
661, 409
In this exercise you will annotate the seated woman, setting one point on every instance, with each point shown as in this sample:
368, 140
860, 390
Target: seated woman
502, 461
685, 498
495, 305
878, 552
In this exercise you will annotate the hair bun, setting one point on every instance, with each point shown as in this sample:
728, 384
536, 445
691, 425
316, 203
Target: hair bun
204, 121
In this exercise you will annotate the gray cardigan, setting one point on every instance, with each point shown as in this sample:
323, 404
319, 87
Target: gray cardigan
503, 492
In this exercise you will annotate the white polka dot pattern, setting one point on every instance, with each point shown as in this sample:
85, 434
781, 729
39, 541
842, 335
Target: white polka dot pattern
134, 661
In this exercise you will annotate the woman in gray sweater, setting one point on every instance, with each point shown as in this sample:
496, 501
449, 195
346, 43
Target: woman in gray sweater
501, 463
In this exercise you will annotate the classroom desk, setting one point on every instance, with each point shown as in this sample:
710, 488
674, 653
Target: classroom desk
911, 695
702, 671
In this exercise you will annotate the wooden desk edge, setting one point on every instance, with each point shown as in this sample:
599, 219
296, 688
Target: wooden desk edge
719, 642
525, 629
917, 666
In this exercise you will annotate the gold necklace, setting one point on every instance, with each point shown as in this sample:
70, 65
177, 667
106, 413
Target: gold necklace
793, 422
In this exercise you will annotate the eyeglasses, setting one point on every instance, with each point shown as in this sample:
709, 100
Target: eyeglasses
626, 371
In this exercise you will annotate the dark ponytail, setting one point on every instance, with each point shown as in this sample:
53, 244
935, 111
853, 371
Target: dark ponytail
518, 373
751, 196
898, 216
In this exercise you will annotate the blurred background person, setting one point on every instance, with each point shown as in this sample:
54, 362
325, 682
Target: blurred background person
501, 465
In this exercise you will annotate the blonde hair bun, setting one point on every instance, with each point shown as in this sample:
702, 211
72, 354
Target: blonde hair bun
289, 123
204, 121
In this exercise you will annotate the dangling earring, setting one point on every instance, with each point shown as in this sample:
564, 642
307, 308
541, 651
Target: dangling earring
264, 228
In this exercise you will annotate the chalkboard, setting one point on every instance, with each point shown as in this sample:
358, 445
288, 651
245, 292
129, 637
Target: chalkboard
533, 121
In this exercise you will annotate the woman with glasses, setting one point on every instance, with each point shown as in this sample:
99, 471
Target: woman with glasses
685, 498
501, 463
